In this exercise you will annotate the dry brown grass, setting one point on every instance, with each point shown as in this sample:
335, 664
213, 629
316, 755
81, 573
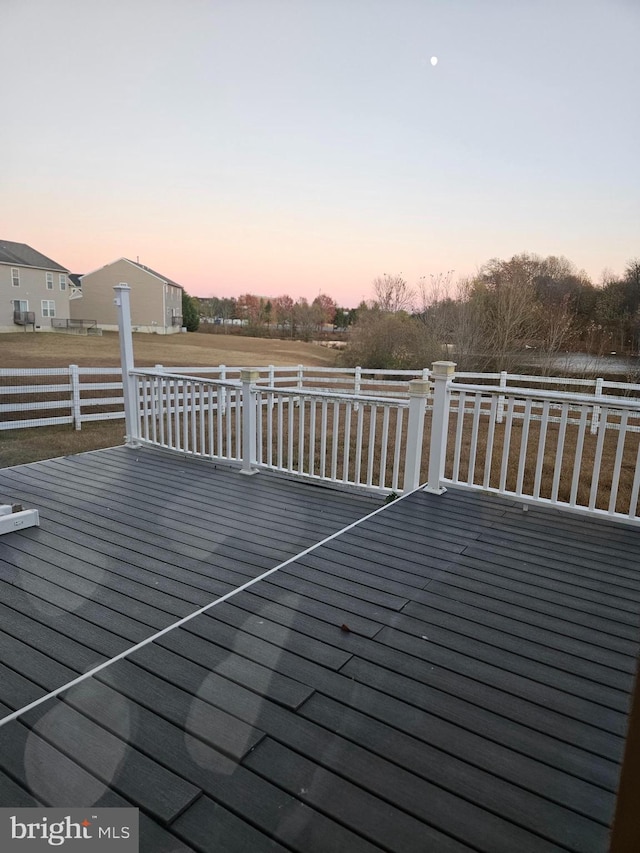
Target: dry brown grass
19, 446
25, 349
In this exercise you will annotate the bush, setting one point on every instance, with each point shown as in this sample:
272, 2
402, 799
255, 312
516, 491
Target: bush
389, 341
190, 316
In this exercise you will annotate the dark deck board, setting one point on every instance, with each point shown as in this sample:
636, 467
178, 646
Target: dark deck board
452, 696
290, 626
579, 658
570, 602
543, 570
358, 809
159, 791
452, 673
480, 594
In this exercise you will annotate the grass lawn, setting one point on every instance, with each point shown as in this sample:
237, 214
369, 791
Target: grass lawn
47, 349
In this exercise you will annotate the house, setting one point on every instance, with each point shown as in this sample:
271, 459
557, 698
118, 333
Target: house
34, 290
156, 301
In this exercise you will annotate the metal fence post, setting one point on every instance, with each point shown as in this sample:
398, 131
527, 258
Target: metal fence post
129, 388
441, 374
74, 377
418, 393
249, 420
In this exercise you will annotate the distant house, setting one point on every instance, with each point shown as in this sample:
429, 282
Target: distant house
34, 290
156, 301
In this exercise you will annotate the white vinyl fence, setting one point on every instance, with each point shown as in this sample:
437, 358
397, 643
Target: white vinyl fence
75, 395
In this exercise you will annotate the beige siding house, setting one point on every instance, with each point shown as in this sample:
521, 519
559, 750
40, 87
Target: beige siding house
156, 301
34, 290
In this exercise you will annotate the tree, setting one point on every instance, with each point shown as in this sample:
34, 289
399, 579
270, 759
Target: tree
385, 340
507, 309
249, 308
305, 319
393, 294
325, 308
632, 273
283, 313
436, 309
190, 313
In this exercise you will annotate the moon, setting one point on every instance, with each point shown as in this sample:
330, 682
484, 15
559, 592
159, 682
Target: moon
434, 60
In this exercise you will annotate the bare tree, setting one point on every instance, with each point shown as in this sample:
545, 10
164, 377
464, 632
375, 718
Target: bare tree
506, 307
382, 339
437, 289
393, 294
558, 332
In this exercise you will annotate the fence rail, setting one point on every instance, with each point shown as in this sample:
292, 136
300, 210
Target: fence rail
30, 398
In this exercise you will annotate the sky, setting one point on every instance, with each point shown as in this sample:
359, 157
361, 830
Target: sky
306, 146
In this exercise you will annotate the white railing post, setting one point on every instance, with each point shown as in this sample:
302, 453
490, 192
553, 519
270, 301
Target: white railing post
595, 418
357, 379
222, 392
441, 374
501, 384
418, 393
249, 420
131, 405
74, 377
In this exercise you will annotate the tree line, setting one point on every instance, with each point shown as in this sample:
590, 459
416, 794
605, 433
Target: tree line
278, 316
486, 321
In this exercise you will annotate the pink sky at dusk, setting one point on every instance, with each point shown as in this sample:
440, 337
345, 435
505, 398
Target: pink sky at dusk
278, 147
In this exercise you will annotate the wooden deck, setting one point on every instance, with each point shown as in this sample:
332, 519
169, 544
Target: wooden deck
449, 674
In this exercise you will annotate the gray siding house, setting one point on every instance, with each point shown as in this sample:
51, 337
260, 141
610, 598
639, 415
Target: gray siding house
156, 301
34, 290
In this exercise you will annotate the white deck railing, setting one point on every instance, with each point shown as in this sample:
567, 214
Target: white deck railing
533, 445
201, 417
331, 437
568, 450
371, 442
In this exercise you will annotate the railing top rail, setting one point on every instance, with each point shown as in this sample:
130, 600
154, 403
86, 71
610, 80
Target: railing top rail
162, 374
332, 395
544, 394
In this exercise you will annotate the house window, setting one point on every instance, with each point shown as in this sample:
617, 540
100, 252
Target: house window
15, 277
63, 281
49, 276
48, 308
20, 305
